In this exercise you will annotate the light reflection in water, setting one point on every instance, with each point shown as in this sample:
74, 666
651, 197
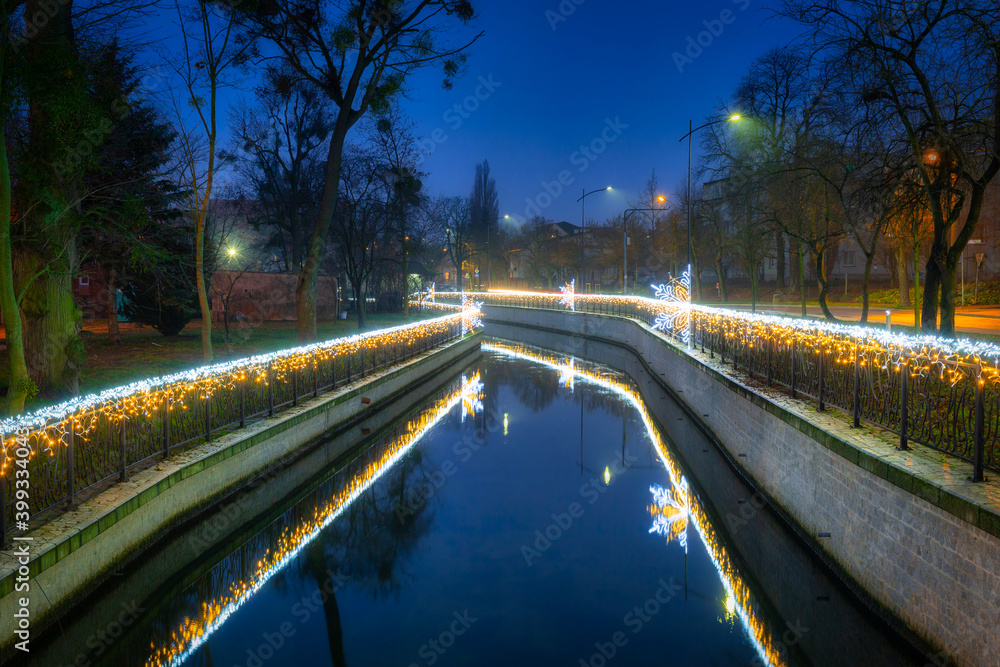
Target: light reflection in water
192, 633
743, 604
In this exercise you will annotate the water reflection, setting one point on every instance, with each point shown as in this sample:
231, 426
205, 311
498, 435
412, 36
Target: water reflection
363, 551
745, 605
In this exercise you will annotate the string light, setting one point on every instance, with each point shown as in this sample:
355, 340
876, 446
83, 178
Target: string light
676, 315
921, 353
47, 427
569, 294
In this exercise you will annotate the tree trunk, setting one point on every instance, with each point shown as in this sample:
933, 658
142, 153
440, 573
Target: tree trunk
50, 318
305, 289
794, 271
199, 273
932, 292
916, 285
779, 248
802, 278
359, 303
722, 279
20, 385
903, 278
824, 286
114, 337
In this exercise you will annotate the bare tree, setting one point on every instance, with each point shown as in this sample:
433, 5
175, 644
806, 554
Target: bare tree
210, 53
359, 54
277, 148
930, 70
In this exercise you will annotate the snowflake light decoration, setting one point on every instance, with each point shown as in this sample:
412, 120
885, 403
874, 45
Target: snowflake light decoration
670, 512
676, 316
569, 294
471, 314
430, 294
566, 375
472, 391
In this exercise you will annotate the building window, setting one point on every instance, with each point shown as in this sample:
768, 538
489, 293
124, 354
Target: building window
849, 258
447, 275
84, 281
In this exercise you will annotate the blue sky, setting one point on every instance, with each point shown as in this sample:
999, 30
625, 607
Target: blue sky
560, 74
561, 95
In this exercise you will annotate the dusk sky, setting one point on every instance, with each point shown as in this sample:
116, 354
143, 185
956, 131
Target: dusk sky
556, 83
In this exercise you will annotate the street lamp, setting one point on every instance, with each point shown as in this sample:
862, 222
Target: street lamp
661, 199
691, 130
583, 224
506, 217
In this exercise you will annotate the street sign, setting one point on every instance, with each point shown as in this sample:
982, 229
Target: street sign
980, 256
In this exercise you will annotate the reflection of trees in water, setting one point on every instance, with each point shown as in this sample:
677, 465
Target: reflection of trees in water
368, 543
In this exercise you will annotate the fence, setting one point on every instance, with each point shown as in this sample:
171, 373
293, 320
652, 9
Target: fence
50, 456
938, 392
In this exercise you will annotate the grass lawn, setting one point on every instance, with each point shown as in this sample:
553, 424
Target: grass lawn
144, 353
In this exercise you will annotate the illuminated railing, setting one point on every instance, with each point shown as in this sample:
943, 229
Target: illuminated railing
97, 439
939, 392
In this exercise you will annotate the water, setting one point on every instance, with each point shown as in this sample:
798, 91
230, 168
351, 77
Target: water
532, 513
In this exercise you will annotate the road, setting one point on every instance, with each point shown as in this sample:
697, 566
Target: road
968, 319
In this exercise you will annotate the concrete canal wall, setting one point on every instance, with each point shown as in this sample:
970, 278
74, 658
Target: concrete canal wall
74, 553
905, 527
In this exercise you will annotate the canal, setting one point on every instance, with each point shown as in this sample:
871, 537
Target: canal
536, 511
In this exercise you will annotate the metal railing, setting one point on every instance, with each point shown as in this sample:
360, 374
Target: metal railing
938, 392
65, 450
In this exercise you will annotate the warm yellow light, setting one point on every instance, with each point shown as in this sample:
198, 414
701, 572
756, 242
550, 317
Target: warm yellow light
730, 604
505, 423
608, 188
607, 475
661, 198
232, 252
735, 116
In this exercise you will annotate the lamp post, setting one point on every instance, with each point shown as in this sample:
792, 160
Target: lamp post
583, 224
691, 131
661, 198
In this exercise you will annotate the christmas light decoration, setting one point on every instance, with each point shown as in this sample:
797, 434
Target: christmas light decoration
471, 314
567, 375
569, 294
47, 428
676, 316
670, 512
